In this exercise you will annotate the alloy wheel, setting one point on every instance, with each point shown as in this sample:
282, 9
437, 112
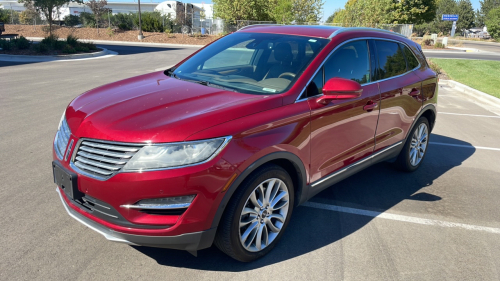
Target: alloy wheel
264, 214
418, 145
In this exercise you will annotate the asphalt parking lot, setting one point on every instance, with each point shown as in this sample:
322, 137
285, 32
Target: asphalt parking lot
439, 223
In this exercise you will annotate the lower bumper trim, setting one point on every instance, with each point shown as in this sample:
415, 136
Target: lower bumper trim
189, 241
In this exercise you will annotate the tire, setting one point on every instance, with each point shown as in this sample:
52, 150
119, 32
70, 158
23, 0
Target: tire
241, 243
410, 159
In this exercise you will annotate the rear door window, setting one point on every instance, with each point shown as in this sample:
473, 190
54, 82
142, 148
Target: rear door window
410, 58
391, 61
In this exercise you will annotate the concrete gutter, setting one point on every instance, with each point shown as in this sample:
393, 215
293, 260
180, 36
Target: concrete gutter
27, 58
485, 100
127, 43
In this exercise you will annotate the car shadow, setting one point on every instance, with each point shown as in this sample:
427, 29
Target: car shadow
377, 188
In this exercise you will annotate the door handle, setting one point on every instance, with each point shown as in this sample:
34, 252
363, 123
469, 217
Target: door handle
370, 106
414, 92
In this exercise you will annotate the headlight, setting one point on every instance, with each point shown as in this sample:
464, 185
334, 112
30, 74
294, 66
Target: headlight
175, 154
60, 121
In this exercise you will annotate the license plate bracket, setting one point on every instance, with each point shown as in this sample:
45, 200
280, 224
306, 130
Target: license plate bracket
66, 180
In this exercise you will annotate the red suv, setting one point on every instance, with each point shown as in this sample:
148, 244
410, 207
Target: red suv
223, 146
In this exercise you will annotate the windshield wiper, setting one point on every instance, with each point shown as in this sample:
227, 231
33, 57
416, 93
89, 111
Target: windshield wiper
210, 84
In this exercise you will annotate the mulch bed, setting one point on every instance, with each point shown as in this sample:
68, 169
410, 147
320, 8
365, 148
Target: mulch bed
105, 34
31, 52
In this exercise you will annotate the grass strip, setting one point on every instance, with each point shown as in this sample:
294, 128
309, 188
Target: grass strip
478, 74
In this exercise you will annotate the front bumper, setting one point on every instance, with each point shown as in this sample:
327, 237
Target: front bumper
189, 241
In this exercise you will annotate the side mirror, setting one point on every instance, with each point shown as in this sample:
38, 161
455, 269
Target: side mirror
340, 89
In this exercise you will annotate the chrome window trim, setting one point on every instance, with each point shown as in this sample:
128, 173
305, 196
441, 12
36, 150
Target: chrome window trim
346, 29
298, 99
321, 180
227, 139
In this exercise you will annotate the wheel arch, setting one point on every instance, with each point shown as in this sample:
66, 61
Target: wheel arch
428, 111
287, 160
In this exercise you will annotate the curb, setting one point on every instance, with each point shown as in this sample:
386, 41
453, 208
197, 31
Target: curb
478, 96
26, 58
127, 43
468, 50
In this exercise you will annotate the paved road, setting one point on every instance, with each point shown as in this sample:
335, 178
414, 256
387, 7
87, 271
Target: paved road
483, 46
462, 55
439, 223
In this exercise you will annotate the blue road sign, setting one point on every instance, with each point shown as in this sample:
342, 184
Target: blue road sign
449, 17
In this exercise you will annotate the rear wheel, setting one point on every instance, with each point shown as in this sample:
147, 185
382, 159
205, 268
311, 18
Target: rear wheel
257, 215
415, 148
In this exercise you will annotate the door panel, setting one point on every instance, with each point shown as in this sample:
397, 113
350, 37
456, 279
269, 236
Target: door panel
397, 109
400, 90
343, 131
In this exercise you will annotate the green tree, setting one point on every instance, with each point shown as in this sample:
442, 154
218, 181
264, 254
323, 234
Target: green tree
493, 23
231, 10
466, 15
486, 7
368, 13
47, 7
307, 10
413, 11
281, 11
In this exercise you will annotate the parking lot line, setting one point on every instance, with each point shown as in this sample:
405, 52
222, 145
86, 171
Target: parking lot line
465, 146
402, 218
474, 115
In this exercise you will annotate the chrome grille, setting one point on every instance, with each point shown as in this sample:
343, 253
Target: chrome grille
62, 138
101, 160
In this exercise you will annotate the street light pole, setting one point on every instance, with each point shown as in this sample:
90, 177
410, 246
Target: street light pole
140, 36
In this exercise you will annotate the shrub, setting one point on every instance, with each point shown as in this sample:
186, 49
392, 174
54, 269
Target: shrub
71, 20
41, 47
110, 31
439, 45
5, 44
90, 46
152, 21
434, 67
123, 21
68, 49
427, 42
72, 40
50, 40
21, 43
60, 45
87, 19
82, 49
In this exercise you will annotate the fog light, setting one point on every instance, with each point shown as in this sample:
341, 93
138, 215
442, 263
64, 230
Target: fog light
169, 203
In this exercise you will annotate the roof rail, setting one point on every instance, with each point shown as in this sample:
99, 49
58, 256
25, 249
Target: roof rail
345, 29
259, 25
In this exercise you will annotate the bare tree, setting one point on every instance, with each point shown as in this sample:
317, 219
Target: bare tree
98, 8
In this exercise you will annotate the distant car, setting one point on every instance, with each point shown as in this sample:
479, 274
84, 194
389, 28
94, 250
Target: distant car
2, 28
223, 146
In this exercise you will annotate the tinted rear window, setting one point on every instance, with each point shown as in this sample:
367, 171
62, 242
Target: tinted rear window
410, 58
390, 58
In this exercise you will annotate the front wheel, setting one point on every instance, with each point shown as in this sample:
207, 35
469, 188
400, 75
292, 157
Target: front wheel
415, 148
257, 215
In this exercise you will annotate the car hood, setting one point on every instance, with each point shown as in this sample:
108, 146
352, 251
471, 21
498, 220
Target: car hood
157, 108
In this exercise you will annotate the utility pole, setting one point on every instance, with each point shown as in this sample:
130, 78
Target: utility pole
140, 36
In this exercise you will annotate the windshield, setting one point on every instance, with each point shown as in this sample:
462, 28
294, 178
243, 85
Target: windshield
255, 63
